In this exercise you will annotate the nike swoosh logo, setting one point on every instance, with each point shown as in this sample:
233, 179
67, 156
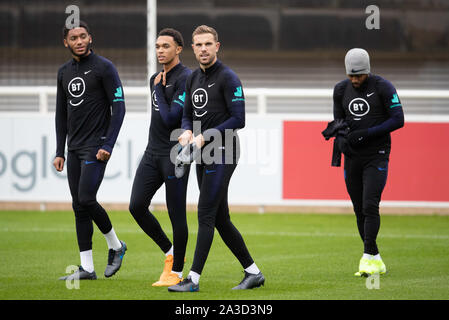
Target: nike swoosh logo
86, 72
370, 94
168, 85
210, 171
355, 71
89, 162
210, 85
382, 169
171, 177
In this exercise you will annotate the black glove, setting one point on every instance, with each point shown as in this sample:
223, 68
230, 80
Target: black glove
358, 137
343, 145
333, 127
329, 131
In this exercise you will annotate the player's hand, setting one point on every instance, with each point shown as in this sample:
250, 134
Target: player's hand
58, 163
163, 78
358, 137
158, 78
343, 145
103, 155
199, 141
185, 138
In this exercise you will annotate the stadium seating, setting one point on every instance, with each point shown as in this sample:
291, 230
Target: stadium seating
271, 44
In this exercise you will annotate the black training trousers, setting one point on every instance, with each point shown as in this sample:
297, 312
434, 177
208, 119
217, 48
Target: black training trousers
152, 172
85, 174
213, 212
365, 180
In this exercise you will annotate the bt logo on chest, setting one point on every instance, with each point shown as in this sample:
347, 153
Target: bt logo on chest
76, 88
199, 101
199, 98
358, 107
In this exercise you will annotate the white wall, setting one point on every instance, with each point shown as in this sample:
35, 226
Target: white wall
27, 148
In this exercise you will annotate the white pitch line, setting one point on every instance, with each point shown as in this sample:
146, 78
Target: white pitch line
256, 233
348, 235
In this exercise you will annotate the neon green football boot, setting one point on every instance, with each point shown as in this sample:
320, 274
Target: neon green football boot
366, 268
379, 266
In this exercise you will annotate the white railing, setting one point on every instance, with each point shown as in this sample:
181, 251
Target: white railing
261, 94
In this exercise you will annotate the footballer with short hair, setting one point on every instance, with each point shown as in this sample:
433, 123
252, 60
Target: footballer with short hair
156, 168
90, 108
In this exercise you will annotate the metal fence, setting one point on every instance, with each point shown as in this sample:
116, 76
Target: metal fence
259, 100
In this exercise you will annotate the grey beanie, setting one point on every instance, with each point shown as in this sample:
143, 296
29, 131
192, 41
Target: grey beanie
357, 61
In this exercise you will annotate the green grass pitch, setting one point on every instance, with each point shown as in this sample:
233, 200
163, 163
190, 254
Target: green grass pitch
304, 256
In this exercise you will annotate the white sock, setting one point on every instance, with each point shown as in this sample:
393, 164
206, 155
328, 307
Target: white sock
86, 260
112, 240
253, 269
169, 251
179, 274
367, 256
195, 277
377, 257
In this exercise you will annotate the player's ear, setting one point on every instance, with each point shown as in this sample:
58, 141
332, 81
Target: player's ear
65, 43
90, 39
178, 49
217, 46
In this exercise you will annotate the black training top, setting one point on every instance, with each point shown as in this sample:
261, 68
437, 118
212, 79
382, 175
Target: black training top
90, 104
215, 99
374, 106
167, 103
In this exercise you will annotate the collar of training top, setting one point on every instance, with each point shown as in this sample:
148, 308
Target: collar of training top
84, 58
212, 68
172, 70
